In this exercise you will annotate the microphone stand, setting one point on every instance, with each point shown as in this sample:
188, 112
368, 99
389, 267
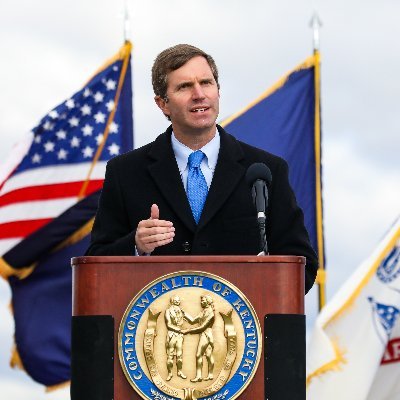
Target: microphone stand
263, 234
260, 196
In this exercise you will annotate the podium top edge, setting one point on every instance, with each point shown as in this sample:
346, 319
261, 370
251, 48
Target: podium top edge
186, 259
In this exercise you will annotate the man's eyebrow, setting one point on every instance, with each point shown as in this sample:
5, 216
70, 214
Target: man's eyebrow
184, 84
187, 84
207, 80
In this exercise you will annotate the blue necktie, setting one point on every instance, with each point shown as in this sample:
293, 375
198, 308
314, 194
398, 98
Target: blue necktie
196, 188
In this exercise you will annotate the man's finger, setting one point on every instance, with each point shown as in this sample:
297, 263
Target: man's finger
149, 223
164, 242
159, 237
154, 212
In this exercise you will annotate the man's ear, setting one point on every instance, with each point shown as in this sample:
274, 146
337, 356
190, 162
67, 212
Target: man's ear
162, 105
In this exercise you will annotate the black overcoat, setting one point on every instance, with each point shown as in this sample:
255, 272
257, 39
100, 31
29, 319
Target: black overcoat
228, 225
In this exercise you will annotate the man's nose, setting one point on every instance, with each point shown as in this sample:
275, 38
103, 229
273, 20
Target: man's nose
198, 92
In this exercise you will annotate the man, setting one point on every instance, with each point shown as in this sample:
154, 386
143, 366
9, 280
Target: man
174, 318
205, 321
153, 197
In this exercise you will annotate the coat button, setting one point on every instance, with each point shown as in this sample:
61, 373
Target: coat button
186, 247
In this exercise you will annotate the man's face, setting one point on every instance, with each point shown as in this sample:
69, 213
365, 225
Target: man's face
203, 302
176, 301
193, 97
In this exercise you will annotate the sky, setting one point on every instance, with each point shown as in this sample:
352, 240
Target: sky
50, 48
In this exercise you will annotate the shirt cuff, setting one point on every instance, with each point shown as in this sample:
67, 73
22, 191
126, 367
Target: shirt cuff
143, 254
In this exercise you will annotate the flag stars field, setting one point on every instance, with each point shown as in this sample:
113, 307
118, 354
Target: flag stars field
36, 158
73, 122
110, 105
49, 146
48, 126
99, 138
98, 97
111, 84
87, 130
61, 134
100, 117
113, 127
75, 142
62, 154
88, 152
86, 109
113, 149
70, 103
53, 114
80, 120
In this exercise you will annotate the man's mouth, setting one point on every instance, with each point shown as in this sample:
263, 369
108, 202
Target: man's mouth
199, 109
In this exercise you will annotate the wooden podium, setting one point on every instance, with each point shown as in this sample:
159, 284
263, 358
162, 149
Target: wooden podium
274, 285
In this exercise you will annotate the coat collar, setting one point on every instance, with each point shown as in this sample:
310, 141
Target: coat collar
164, 171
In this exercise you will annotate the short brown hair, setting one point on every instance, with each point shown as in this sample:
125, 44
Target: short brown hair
173, 58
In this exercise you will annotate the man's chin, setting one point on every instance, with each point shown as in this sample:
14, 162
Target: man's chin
195, 129
202, 125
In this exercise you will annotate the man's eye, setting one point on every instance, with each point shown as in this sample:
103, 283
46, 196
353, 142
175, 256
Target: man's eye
183, 86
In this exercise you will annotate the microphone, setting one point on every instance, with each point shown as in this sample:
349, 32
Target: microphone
259, 177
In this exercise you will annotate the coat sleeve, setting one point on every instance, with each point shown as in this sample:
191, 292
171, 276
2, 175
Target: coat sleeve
285, 230
112, 233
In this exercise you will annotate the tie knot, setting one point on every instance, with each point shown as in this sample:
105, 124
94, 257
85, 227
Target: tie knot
195, 159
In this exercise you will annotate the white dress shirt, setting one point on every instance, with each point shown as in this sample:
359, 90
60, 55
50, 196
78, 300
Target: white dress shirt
208, 164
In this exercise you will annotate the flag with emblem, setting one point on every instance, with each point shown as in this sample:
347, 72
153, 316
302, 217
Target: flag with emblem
48, 199
354, 352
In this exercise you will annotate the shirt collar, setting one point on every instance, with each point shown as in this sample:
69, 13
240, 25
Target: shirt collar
182, 152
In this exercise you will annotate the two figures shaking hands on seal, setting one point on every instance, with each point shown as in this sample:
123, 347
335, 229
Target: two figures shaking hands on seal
174, 319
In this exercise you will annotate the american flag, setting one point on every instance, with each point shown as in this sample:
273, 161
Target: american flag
51, 185
67, 154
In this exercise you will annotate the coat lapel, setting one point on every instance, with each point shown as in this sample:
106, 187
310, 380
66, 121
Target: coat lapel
165, 173
228, 173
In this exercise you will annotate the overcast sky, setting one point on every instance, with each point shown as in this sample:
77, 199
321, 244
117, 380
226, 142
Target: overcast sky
50, 48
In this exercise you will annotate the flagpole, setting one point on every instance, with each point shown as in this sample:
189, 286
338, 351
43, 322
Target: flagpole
315, 24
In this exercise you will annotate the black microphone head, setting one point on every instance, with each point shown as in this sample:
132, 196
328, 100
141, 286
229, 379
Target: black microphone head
258, 171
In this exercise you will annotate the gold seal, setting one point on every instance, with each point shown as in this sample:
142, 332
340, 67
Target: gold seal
186, 334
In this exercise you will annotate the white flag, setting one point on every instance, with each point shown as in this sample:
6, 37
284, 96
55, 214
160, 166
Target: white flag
355, 328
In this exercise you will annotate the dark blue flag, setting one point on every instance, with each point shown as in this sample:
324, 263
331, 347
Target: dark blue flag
285, 121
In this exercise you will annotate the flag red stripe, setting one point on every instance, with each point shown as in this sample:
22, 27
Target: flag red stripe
45, 192
21, 228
